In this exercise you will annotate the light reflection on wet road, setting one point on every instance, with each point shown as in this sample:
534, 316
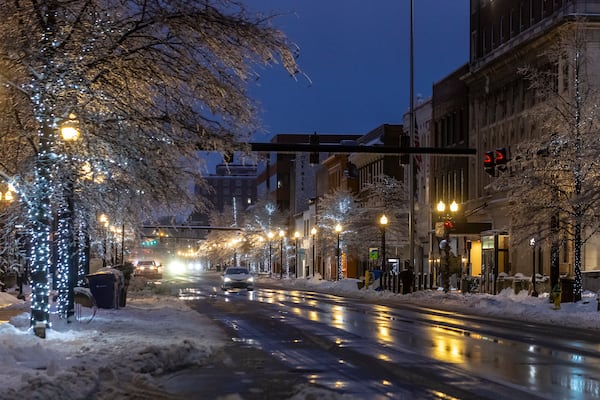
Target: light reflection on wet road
375, 351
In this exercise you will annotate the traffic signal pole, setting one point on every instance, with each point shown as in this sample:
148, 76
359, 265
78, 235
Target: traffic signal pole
340, 148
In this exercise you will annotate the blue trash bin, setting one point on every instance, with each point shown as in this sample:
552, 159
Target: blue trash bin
376, 274
104, 286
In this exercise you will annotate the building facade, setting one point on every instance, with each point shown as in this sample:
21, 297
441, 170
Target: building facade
506, 36
231, 186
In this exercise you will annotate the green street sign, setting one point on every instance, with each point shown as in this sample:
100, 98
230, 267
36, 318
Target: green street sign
373, 253
150, 242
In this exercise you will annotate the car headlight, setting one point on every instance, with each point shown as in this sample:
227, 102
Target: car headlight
251, 279
177, 267
226, 279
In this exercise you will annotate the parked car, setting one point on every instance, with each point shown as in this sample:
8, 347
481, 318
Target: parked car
237, 278
148, 269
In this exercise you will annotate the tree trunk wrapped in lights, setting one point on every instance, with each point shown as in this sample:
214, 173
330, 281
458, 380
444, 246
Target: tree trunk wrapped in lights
40, 217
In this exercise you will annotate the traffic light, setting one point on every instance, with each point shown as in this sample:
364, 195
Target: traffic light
501, 158
489, 164
314, 156
448, 225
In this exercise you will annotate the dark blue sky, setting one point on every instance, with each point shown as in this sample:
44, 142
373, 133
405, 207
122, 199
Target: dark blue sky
357, 54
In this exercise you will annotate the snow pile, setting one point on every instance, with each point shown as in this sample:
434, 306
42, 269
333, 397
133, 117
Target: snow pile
114, 356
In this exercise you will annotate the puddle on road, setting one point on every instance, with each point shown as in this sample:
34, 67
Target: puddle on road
193, 294
249, 342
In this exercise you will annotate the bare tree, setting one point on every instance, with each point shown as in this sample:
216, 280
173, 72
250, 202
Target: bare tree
148, 84
260, 221
554, 185
387, 195
340, 207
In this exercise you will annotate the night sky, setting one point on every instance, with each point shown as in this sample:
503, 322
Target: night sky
357, 54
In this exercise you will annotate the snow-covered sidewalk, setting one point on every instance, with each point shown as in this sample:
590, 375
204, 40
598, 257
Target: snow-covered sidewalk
506, 304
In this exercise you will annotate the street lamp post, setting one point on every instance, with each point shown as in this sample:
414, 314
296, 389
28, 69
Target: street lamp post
123, 244
281, 235
6, 199
338, 229
313, 232
104, 220
69, 133
448, 225
383, 221
270, 236
296, 236
534, 292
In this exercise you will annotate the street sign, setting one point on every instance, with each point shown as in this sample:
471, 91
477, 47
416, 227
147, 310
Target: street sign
150, 242
373, 253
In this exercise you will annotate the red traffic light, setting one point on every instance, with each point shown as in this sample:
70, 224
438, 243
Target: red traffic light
489, 165
488, 159
448, 225
501, 156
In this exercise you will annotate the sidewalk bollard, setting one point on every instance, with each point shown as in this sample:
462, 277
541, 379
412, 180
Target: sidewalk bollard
367, 279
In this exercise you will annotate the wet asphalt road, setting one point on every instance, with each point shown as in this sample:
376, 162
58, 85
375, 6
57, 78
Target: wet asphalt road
285, 341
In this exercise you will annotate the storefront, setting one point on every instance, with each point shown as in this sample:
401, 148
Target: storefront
494, 258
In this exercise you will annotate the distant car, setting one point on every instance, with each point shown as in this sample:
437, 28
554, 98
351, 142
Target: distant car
237, 278
148, 269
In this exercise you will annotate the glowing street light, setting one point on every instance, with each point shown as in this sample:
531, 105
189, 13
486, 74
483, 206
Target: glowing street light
448, 225
67, 257
296, 237
8, 195
313, 233
383, 221
281, 236
338, 229
534, 292
270, 235
69, 130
